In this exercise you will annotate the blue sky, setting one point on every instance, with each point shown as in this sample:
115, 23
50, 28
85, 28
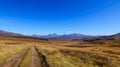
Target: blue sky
93, 17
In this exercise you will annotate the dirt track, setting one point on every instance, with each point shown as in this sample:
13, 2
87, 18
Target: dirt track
37, 59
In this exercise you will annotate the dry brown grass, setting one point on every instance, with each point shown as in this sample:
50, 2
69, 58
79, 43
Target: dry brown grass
96, 56
60, 53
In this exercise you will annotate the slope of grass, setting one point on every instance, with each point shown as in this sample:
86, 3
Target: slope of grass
7, 51
80, 57
54, 57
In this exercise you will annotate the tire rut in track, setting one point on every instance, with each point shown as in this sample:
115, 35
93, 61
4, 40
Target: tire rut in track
16, 60
38, 59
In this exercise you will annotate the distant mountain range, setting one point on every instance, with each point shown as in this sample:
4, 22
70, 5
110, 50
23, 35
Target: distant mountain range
64, 36
77, 36
4, 33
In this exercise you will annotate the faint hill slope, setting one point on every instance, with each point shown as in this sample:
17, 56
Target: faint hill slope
115, 36
5, 33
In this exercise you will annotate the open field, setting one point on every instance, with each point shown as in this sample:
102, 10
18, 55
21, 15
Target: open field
28, 52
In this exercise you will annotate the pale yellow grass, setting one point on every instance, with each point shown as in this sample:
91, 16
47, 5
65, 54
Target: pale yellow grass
7, 51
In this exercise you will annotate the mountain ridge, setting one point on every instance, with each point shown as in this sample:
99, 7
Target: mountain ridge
64, 36
5, 33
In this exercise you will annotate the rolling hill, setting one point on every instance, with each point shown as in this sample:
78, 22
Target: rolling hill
5, 33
